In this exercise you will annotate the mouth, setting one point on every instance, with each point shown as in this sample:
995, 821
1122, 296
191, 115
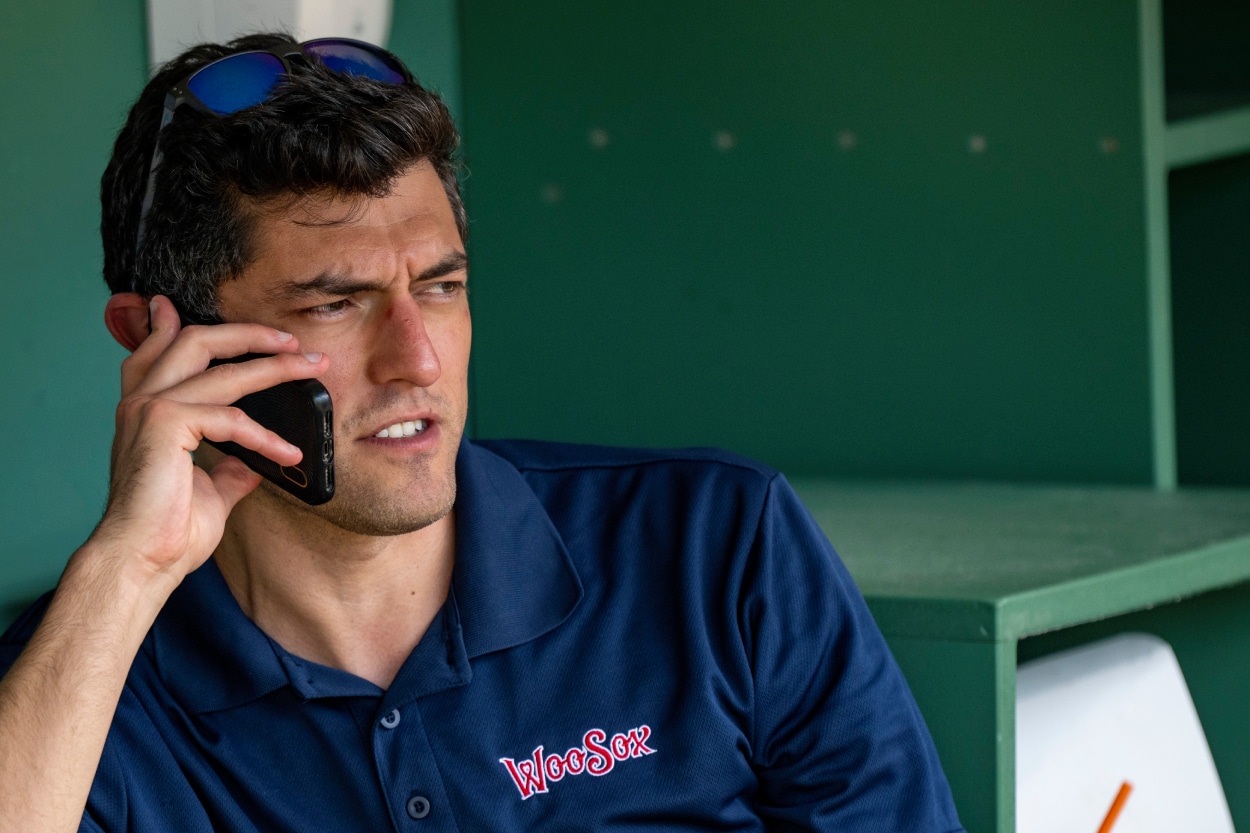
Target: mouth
408, 428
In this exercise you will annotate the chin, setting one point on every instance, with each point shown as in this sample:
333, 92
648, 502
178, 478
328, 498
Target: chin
362, 506
377, 522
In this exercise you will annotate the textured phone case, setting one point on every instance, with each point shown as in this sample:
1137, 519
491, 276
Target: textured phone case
300, 412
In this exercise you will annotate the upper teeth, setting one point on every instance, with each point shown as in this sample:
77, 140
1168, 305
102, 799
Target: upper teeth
403, 429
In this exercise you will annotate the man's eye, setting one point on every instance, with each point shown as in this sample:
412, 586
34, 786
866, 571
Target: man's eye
327, 310
446, 288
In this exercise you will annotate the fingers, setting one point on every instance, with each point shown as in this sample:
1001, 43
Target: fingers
164, 327
162, 423
172, 393
190, 354
232, 425
172, 354
227, 383
233, 480
171, 402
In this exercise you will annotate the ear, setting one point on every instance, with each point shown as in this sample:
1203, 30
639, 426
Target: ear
127, 317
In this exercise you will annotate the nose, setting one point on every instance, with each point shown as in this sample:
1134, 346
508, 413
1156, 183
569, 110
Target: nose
402, 350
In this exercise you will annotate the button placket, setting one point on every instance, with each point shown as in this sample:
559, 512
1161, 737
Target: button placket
409, 775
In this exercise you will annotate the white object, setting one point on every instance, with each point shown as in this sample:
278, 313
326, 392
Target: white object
1091, 718
174, 25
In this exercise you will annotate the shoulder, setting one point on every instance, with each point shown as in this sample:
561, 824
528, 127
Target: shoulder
538, 457
689, 506
589, 486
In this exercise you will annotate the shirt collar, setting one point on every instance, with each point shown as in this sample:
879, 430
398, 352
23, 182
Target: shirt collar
513, 582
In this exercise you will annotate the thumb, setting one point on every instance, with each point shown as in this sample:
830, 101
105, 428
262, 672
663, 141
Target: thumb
233, 481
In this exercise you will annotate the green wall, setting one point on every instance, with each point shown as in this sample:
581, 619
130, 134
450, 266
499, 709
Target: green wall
69, 71
768, 228
426, 35
841, 284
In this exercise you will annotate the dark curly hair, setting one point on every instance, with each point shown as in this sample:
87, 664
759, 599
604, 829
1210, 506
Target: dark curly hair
320, 133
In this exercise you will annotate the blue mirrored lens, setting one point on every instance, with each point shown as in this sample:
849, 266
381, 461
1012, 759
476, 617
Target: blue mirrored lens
355, 59
236, 81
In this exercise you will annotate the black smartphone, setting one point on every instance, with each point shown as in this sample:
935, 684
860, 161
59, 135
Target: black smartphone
299, 412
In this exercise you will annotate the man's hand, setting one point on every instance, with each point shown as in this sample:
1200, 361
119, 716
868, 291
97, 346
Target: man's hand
163, 511
164, 518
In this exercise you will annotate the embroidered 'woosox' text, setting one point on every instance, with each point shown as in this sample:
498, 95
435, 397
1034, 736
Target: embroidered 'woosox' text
597, 755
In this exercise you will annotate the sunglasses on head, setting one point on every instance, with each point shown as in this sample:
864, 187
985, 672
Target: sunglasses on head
242, 80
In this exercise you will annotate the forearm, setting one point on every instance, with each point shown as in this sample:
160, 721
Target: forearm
57, 701
163, 519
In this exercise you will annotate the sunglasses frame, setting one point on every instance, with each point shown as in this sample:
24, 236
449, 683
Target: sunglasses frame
180, 94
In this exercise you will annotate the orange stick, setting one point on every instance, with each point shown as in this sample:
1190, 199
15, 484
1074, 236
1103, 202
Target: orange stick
1116, 807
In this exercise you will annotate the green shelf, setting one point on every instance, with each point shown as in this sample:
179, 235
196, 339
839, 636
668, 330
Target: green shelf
1207, 138
965, 578
993, 562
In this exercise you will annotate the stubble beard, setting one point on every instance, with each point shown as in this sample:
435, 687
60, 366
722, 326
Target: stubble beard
378, 507
364, 507
367, 504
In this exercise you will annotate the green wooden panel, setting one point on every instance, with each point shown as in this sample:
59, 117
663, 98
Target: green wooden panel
955, 574
770, 228
1210, 222
997, 562
1211, 637
425, 34
68, 71
966, 692
1209, 138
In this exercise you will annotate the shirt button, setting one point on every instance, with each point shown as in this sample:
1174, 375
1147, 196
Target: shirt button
391, 720
418, 807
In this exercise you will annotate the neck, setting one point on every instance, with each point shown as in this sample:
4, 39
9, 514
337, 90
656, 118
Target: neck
355, 602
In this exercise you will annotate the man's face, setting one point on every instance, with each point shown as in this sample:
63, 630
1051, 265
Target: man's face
378, 285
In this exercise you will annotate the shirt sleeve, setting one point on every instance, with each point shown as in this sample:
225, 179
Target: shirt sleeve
839, 743
89, 825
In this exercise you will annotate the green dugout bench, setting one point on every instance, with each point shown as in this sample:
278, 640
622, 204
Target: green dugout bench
967, 581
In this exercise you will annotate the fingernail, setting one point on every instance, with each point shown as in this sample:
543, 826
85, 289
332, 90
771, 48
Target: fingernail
313, 357
284, 336
293, 447
152, 306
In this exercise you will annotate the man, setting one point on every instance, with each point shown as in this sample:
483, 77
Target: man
493, 636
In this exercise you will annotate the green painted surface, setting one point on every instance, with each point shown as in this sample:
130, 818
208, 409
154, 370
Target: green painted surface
425, 34
957, 574
962, 577
769, 230
994, 562
1209, 138
1154, 183
1211, 637
966, 692
68, 71
1210, 220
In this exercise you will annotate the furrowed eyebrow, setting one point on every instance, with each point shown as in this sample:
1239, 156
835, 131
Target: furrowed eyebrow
336, 283
453, 262
327, 283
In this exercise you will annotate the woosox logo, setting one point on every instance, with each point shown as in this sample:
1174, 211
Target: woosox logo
597, 755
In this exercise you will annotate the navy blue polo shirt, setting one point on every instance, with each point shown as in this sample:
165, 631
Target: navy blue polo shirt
633, 640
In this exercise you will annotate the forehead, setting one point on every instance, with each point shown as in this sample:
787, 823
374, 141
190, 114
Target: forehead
414, 220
